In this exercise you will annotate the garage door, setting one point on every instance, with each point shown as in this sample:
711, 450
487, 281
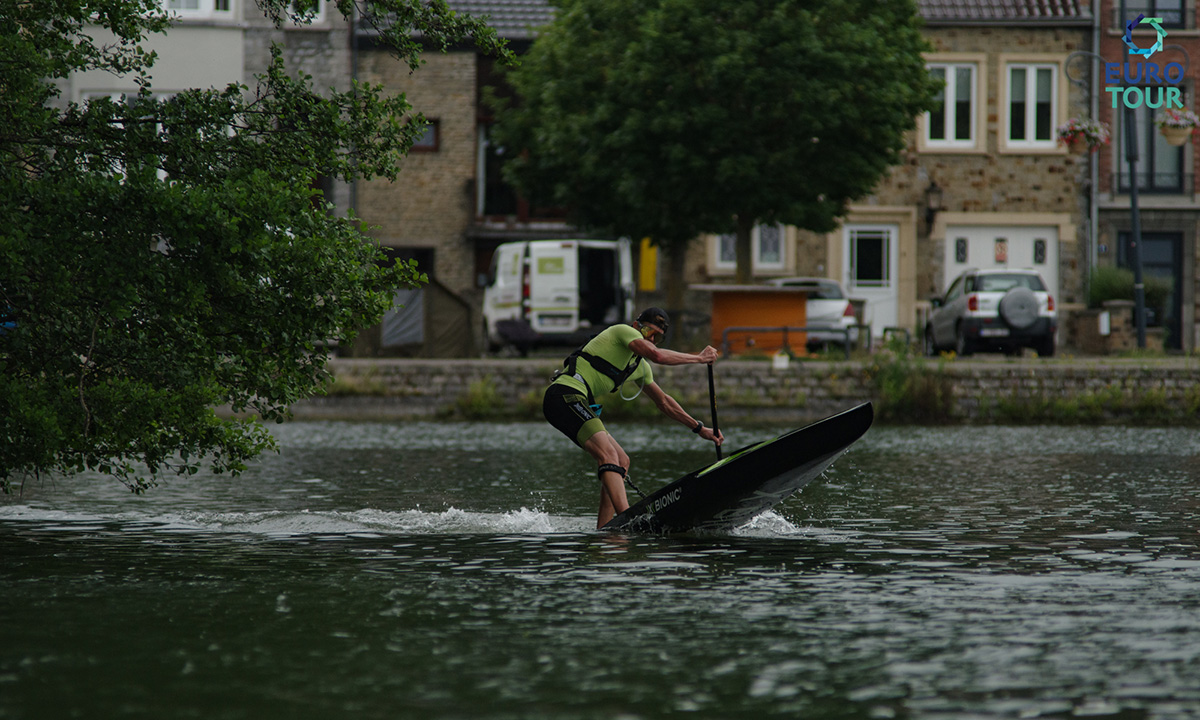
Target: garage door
986, 247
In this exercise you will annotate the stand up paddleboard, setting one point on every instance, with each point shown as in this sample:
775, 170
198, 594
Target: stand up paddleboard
732, 491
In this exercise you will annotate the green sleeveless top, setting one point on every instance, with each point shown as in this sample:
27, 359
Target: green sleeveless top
611, 345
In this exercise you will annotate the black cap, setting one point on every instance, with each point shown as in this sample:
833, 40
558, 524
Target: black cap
656, 316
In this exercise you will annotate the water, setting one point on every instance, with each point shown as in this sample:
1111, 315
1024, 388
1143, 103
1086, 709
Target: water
450, 571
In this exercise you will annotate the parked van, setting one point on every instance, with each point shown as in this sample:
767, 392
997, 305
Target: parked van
556, 292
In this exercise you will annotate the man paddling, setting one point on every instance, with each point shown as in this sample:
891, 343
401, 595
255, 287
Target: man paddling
602, 367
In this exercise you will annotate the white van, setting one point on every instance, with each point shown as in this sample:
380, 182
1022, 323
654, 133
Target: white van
556, 292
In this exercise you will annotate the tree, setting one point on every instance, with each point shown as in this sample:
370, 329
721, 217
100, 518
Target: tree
160, 258
671, 118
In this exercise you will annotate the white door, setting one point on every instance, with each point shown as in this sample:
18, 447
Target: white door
871, 257
986, 247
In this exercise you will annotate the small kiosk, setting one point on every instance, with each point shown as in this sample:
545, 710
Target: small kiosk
757, 318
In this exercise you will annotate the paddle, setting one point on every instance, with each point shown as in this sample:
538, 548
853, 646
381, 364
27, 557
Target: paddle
712, 403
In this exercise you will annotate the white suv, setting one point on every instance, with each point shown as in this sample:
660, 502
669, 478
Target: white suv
993, 309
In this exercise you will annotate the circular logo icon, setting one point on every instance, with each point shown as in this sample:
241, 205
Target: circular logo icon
1155, 23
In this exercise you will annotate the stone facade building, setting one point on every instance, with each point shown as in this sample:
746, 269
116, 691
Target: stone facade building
1169, 206
448, 209
213, 43
983, 183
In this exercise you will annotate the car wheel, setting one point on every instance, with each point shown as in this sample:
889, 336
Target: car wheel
962, 346
1045, 346
1019, 307
930, 346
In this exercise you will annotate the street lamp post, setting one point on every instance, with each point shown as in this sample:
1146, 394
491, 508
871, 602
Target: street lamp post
1135, 235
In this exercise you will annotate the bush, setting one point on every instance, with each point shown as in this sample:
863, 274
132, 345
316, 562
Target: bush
1114, 283
907, 389
481, 400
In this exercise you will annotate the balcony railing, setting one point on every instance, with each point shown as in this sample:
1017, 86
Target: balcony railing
1168, 183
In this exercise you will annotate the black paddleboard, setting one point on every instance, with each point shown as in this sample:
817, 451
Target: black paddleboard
732, 491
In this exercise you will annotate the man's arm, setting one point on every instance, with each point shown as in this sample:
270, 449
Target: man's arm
655, 354
668, 406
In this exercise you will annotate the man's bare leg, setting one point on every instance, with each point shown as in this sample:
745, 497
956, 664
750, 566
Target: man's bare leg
606, 451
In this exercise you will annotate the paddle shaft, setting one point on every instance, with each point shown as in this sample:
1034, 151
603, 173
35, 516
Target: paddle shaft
712, 404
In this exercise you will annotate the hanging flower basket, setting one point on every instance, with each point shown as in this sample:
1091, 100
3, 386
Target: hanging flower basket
1079, 146
1083, 135
1175, 135
1177, 125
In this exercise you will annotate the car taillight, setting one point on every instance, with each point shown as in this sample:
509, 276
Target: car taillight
849, 311
973, 302
1050, 303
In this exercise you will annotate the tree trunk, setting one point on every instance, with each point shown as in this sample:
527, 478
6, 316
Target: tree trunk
745, 258
676, 255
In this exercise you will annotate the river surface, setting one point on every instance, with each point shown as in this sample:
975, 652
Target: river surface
430, 570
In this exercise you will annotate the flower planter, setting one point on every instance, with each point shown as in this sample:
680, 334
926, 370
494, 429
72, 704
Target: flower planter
1083, 135
1078, 146
1177, 135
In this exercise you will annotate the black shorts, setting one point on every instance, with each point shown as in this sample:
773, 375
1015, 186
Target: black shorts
567, 410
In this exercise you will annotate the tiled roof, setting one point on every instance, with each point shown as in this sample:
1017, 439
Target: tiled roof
1001, 12
519, 19
512, 19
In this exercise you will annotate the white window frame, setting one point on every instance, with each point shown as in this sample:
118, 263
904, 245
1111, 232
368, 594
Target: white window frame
950, 101
979, 106
725, 263
318, 17
121, 97
1058, 103
889, 238
204, 10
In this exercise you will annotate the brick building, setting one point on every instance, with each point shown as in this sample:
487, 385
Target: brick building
448, 208
1168, 203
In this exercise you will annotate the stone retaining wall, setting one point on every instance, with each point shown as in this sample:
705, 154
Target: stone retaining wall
1026, 390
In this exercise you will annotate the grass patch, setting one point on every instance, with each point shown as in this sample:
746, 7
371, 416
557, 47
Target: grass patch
480, 401
907, 389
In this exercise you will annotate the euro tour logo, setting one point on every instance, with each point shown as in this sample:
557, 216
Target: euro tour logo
1165, 79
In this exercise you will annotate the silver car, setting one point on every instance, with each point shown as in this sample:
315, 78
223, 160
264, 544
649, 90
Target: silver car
1003, 310
828, 311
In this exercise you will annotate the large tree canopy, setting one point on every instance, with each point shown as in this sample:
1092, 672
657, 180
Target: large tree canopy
159, 258
670, 118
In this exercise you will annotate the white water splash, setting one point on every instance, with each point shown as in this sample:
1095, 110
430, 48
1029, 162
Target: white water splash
770, 524
359, 523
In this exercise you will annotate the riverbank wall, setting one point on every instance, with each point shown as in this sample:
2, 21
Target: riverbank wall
1162, 391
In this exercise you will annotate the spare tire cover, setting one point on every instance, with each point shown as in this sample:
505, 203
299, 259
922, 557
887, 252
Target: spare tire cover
1019, 307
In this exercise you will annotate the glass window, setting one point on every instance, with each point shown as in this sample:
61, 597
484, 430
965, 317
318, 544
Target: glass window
200, 8
1159, 165
310, 10
1172, 12
1004, 283
869, 257
727, 250
955, 289
952, 121
430, 138
768, 251
766, 248
1031, 105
